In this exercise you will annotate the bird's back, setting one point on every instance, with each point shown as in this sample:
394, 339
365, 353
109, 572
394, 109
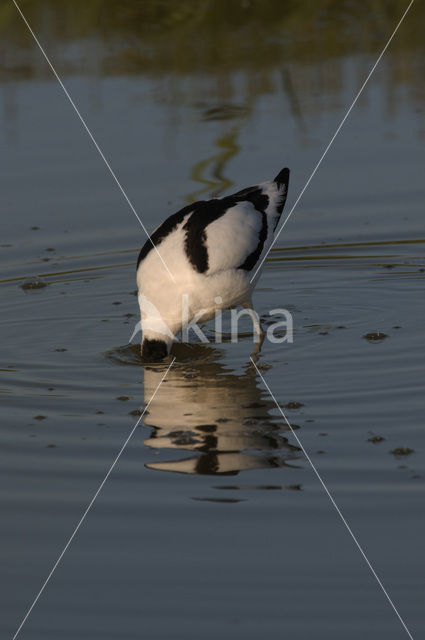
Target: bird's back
214, 235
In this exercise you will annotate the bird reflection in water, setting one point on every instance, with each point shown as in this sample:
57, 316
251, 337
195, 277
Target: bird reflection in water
223, 418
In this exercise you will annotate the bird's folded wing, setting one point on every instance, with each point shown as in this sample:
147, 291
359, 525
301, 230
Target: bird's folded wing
236, 239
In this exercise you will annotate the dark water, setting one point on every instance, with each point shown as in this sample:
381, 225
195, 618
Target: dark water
213, 523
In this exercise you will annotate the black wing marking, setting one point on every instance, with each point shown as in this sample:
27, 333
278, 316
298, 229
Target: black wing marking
254, 195
163, 231
282, 179
204, 212
207, 212
203, 215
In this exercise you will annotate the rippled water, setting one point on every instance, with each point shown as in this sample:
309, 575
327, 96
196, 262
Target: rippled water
212, 523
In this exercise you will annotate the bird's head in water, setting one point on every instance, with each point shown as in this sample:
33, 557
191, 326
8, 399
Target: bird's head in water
154, 349
157, 335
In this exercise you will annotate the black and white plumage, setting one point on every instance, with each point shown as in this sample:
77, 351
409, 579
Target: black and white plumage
212, 248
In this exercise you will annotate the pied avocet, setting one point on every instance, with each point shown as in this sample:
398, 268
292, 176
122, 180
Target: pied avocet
204, 258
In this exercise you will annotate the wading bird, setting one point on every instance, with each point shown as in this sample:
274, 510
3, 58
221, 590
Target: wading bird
204, 259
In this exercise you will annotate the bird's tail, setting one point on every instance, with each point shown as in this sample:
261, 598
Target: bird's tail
282, 179
282, 182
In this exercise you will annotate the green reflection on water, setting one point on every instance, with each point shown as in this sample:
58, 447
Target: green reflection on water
193, 36
219, 58
227, 149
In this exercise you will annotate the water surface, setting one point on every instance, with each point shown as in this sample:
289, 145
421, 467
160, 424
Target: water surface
213, 523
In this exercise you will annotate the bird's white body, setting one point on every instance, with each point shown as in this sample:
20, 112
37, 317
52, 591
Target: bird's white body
212, 249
